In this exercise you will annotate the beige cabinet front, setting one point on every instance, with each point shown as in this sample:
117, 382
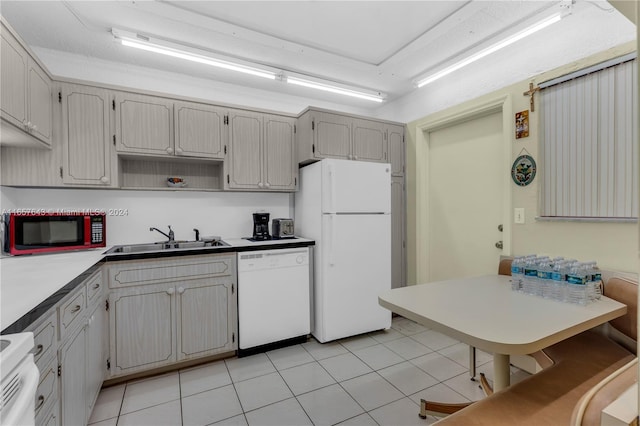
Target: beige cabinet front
262, 152
142, 325
200, 130
144, 124
369, 141
25, 96
398, 274
86, 137
395, 137
331, 136
73, 385
97, 332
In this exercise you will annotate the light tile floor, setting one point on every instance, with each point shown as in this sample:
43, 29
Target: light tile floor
373, 379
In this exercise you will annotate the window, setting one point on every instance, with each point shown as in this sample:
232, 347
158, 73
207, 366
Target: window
589, 144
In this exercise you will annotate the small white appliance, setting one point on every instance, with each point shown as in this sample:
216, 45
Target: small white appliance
18, 381
273, 296
345, 207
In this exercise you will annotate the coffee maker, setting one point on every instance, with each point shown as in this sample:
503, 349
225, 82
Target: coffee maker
261, 226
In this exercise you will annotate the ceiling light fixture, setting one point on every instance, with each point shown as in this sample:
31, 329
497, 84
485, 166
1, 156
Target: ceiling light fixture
145, 43
491, 49
334, 89
163, 47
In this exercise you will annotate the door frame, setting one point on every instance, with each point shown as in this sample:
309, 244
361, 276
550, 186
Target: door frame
498, 104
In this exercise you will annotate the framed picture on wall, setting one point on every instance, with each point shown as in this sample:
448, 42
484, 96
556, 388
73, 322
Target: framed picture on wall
522, 124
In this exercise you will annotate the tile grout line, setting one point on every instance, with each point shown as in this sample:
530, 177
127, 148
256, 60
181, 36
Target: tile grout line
236, 392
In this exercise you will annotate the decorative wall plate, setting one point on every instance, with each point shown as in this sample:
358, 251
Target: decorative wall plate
523, 170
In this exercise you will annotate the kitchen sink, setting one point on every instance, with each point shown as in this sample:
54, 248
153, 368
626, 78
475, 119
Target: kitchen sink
165, 246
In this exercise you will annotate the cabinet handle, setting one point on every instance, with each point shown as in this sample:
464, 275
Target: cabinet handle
180, 290
179, 151
104, 179
169, 150
34, 127
40, 402
268, 185
260, 185
350, 157
355, 157
97, 286
25, 125
171, 290
38, 351
76, 309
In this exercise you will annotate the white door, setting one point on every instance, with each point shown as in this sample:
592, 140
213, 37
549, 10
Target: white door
466, 179
355, 186
356, 268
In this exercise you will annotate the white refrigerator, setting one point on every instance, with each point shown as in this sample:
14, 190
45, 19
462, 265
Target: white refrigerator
345, 207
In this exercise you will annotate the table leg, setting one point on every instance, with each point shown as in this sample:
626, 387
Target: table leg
501, 372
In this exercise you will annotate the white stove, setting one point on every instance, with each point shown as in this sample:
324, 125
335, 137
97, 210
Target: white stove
18, 379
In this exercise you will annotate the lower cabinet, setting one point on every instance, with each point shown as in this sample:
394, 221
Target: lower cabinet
73, 386
171, 318
82, 356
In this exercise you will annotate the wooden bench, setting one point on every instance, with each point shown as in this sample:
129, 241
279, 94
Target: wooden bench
572, 370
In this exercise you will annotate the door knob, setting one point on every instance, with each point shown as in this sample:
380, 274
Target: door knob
500, 227
499, 244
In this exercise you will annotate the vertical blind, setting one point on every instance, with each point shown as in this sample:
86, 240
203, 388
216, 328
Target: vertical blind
589, 148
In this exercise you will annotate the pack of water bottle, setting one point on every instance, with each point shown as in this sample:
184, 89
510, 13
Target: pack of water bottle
565, 280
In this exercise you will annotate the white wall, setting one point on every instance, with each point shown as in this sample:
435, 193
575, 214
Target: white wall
226, 214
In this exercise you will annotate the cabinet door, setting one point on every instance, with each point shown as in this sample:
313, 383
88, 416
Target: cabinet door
332, 136
86, 136
144, 124
245, 143
369, 142
205, 324
96, 353
13, 75
39, 103
73, 379
280, 168
395, 140
398, 278
199, 130
142, 325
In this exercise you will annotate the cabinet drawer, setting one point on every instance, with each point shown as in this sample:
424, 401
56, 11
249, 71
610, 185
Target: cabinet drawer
169, 270
46, 394
72, 311
94, 289
45, 341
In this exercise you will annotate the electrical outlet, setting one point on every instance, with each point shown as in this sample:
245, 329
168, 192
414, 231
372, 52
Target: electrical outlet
518, 215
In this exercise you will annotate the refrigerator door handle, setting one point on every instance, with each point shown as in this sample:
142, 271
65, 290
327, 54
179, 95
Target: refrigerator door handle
332, 238
332, 189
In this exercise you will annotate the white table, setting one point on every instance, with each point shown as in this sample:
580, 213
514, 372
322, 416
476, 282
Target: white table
484, 312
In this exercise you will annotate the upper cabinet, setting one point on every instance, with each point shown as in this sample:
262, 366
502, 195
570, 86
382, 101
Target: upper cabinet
86, 147
330, 135
144, 124
395, 140
199, 130
262, 152
25, 96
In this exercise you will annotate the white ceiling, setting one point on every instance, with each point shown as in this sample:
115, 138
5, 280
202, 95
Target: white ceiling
380, 45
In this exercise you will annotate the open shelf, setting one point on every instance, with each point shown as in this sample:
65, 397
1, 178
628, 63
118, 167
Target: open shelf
152, 173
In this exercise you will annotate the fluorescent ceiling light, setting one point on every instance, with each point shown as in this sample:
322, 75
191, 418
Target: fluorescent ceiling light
170, 49
134, 41
491, 49
334, 89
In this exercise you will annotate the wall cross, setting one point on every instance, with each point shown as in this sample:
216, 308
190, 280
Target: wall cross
530, 93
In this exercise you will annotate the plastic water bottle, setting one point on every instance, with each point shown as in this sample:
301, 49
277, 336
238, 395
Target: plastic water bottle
530, 279
594, 280
545, 282
577, 285
517, 272
558, 279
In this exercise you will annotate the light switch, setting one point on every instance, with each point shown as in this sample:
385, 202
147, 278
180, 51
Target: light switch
518, 215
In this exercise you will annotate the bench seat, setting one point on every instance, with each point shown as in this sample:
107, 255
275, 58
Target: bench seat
548, 397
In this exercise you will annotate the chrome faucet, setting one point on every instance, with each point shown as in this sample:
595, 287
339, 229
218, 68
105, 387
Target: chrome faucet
170, 235
197, 231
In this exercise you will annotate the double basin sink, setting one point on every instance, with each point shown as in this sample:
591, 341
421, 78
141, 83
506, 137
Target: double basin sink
165, 246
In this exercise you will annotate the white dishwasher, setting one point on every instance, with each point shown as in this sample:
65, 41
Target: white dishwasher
273, 297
